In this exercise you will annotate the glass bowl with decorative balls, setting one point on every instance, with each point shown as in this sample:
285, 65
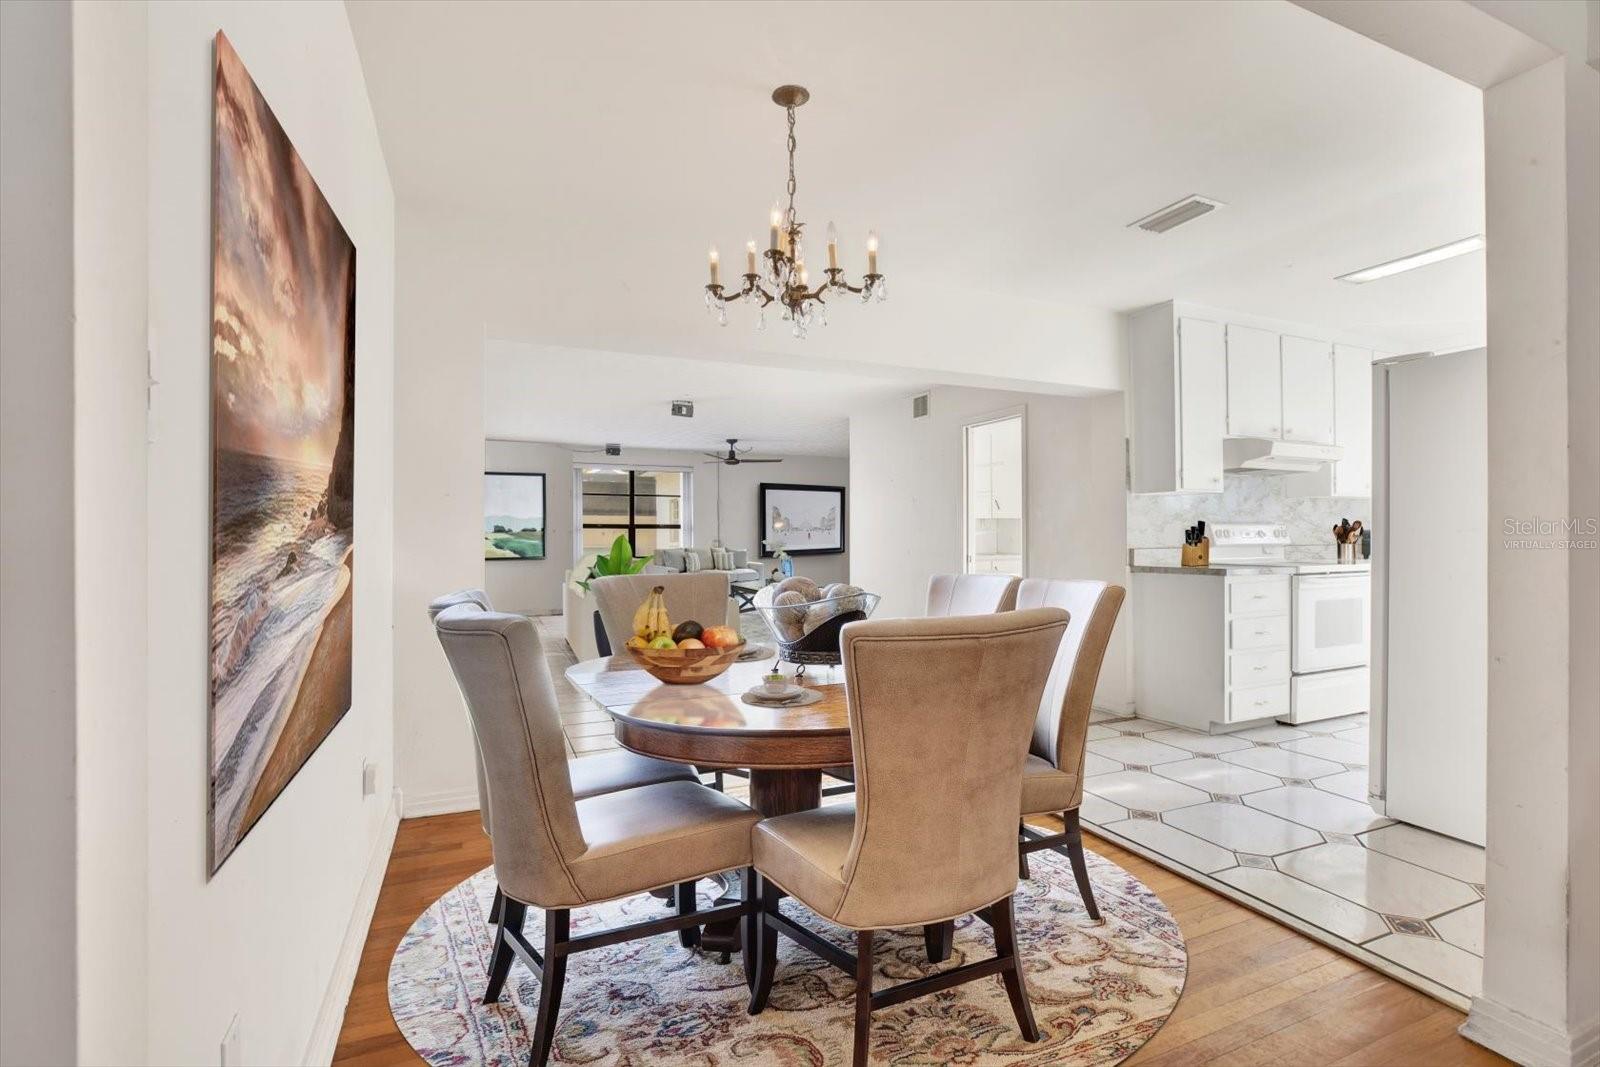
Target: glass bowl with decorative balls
805, 618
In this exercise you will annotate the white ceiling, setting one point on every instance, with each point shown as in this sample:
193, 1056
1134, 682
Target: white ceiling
543, 393
591, 152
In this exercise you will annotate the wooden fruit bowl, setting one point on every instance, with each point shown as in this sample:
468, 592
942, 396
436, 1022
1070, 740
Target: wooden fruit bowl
686, 666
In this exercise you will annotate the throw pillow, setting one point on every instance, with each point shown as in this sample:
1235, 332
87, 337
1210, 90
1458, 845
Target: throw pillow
722, 559
691, 562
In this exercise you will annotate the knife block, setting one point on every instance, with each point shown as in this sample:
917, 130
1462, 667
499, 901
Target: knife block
1197, 555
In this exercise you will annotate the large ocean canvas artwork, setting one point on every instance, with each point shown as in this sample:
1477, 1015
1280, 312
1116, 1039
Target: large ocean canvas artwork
283, 460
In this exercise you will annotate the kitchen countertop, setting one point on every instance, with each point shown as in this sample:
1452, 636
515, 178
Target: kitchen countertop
1239, 570
1151, 568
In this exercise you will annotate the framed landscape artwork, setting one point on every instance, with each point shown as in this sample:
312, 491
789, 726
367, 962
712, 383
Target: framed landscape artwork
513, 515
808, 520
283, 407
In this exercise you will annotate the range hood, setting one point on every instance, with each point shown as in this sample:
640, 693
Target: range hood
1259, 455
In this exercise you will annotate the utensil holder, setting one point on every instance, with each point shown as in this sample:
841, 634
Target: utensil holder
1347, 552
1197, 555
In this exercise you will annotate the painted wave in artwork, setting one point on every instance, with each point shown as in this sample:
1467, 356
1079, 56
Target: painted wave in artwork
277, 566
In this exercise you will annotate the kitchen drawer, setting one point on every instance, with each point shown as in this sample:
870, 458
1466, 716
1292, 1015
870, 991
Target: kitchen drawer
1269, 701
1258, 596
1258, 668
1266, 631
1330, 694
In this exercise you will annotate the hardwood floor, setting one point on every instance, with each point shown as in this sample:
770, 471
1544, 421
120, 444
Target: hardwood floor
1257, 993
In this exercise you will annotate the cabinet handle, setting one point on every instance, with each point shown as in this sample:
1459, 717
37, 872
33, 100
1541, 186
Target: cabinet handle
1262, 703
1261, 633
1260, 668
1258, 596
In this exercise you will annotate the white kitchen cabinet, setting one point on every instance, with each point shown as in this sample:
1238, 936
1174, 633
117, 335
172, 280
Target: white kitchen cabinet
1351, 474
1352, 414
1255, 383
1211, 651
1308, 390
1177, 402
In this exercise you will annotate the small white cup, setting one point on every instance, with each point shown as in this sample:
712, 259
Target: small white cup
774, 688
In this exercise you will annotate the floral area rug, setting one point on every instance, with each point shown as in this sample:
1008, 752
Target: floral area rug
1099, 990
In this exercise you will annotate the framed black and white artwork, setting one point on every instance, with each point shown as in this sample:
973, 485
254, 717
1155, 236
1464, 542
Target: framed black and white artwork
807, 520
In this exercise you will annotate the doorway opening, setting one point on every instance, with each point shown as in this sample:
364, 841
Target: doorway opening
994, 476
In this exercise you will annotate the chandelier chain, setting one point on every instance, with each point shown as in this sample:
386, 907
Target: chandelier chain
791, 164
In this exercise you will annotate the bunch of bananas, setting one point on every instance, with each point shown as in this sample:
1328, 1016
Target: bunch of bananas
650, 621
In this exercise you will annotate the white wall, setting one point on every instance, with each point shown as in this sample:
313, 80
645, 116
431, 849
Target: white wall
1543, 906
906, 484
262, 938
535, 587
438, 499
110, 138
38, 972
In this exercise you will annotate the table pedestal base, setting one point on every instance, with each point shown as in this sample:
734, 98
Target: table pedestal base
771, 793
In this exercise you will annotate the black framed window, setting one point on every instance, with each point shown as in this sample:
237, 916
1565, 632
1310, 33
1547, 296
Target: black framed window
646, 506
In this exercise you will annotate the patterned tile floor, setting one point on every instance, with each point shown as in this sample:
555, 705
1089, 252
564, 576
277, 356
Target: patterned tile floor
1279, 813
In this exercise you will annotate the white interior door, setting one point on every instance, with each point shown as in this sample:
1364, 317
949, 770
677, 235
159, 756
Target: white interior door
995, 501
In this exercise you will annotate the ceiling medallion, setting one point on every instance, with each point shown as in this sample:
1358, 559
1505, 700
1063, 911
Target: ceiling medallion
786, 279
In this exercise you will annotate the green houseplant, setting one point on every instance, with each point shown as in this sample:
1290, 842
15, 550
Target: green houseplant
619, 560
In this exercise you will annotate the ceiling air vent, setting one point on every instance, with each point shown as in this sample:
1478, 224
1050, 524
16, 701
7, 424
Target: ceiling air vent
1174, 215
919, 406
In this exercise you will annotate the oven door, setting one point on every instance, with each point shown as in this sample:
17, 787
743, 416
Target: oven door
1332, 621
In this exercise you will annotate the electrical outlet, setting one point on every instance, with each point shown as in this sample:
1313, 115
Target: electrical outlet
369, 778
231, 1057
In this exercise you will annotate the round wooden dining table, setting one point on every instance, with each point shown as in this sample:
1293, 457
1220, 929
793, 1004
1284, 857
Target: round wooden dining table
708, 726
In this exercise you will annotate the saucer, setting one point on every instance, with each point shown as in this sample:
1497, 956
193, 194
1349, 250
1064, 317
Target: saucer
799, 699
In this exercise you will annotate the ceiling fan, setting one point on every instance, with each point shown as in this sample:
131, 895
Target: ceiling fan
735, 455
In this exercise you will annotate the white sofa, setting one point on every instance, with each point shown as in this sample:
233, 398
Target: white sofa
670, 561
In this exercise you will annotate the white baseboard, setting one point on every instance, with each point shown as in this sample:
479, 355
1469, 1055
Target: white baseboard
444, 802
1526, 1040
330, 1018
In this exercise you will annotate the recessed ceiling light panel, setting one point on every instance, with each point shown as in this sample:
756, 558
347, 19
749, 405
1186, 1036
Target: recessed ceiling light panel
1174, 215
1475, 243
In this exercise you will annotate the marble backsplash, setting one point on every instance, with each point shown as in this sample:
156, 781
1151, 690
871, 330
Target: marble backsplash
1157, 520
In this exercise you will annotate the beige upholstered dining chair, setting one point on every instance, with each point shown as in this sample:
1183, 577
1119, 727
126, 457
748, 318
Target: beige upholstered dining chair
941, 712
950, 594
603, 772
702, 596
1052, 778
555, 852
970, 594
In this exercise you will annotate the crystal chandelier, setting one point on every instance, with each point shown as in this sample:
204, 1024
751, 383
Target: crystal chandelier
786, 279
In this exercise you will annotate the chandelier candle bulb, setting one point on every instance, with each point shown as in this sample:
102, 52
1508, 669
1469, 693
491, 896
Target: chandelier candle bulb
716, 271
833, 247
872, 251
777, 216
749, 257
